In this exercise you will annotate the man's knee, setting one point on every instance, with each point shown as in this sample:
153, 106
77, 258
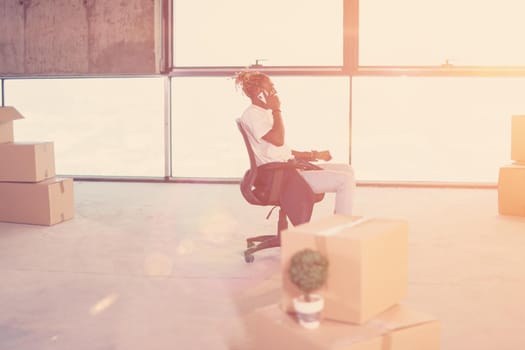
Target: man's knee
349, 175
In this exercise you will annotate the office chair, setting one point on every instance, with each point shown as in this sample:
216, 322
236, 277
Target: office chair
253, 195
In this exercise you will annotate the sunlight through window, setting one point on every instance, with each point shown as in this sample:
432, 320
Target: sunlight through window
207, 143
462, 32
239, 32
101, 127
433, 129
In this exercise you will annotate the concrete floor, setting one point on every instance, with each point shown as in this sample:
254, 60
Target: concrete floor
160, 266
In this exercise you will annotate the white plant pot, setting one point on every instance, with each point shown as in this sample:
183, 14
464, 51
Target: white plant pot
309, 312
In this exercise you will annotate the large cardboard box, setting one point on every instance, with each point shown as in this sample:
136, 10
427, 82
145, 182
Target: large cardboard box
368, 264
7, 115
26, 162
398, 328
42, 203
517, 137
511, 190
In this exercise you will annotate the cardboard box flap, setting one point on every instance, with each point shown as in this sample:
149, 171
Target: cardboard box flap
400, 317
335, 220
357, 227
343, 227
8, 114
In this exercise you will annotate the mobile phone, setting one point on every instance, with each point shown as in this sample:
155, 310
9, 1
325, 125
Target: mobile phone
262, 97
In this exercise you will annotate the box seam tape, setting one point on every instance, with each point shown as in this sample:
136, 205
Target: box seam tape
336, 229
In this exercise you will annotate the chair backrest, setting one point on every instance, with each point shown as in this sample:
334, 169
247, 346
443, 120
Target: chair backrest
248, 180
251, 154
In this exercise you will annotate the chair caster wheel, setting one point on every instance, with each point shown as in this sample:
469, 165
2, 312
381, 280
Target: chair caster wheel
249, 258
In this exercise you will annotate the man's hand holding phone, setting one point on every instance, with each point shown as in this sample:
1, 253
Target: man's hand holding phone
272, 100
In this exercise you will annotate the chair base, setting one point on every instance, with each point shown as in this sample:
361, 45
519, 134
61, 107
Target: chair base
271, 241
254, 241
257, 243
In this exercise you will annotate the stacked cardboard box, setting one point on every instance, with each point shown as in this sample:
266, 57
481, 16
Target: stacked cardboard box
365, 255
367, 280
30, 192
511, 180
398, 328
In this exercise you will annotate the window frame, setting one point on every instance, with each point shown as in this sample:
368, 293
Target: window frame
350, 68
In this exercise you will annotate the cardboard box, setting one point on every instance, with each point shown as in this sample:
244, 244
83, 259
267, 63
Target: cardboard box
517, 138
368, 264
26, 162
7, 115
42, 203
511, 190
398, 328
407, 329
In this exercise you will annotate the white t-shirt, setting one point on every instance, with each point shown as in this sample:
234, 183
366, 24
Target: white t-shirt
258, 121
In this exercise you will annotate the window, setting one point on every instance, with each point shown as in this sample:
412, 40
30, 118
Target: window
464, 32
100, 127
433, 129
206, 142
239, 32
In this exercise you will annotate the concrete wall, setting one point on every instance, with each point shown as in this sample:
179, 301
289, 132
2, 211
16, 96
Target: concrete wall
77, 37
11, 36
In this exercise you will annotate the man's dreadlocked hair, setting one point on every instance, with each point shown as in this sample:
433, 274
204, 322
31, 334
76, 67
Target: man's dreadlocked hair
249, 81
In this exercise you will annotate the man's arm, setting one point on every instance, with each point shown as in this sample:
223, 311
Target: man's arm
312, 155
276, 134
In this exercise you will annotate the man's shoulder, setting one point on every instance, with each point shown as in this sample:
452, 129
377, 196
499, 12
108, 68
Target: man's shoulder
254, 112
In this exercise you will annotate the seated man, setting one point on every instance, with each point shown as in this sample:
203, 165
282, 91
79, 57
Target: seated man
264, 124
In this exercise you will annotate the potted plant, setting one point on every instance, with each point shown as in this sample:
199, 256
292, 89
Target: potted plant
308, 271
